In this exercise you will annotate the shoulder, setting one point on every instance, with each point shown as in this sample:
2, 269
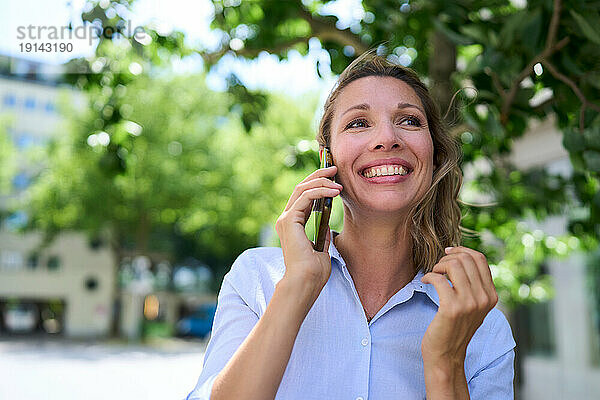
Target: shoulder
257, 262
255, 273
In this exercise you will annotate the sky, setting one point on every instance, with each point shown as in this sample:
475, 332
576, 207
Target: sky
294, 76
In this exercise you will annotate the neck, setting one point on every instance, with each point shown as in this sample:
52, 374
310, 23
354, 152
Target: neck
378, 252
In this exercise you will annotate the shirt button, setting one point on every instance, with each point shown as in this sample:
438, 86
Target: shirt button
364, 342
359, 398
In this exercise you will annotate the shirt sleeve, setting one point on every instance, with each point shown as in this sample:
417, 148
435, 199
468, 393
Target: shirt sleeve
234, 319
494, 379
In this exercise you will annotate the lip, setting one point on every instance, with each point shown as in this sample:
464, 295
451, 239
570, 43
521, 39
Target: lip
386, 161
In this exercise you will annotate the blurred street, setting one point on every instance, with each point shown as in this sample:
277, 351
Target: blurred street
57, 369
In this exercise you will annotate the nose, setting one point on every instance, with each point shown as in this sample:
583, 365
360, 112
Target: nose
386, 138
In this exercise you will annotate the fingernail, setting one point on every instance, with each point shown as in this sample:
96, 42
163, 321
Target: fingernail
447, 249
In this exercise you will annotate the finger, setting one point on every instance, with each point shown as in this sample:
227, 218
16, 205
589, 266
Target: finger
484, 290
321, 172
304, 202
478, 294
456, 273
441, 285
303, 186
470, 268
480, 260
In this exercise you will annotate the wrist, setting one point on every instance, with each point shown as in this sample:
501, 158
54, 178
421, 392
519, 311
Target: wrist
443, 369
445, 378
303, 292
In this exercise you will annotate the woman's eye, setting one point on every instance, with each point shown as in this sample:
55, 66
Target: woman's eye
411, 120
357, 123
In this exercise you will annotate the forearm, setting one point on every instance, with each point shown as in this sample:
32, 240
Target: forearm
257, 367
445, 380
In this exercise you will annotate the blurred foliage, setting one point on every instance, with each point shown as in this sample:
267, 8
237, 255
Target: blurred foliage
176, 177
492, 46
162, 166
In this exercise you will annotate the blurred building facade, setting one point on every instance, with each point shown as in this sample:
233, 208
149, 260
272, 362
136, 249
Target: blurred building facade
559, 339
72, 280
68, 272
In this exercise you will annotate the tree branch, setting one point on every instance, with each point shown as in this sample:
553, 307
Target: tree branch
497, 83
280, 47
551, 38
585, 103
211, 58
325, 31
512, 93
320, 28
550, 48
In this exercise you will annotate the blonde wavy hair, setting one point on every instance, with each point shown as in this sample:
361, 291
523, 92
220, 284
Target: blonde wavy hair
436, 218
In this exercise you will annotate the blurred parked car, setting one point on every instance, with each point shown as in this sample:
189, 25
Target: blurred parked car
199, 323
21, 318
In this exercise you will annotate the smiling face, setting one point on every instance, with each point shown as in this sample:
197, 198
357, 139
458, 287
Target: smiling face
381, 145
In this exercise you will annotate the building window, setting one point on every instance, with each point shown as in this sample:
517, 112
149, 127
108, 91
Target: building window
535, 327
9, 100
53, 263
50, 108
91, 283
11, 260
30, 103
33, 261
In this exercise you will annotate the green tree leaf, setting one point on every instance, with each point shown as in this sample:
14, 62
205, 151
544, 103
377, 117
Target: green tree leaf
588, 29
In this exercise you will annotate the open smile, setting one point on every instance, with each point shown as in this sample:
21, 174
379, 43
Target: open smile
386, 171
395, 175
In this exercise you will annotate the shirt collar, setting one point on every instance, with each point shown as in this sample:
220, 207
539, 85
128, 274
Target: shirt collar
333, 251
415, 284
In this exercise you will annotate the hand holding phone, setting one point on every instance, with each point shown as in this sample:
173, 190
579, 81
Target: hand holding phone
301, 260
322, 207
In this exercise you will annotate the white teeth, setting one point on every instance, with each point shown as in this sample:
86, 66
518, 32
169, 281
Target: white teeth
385, 171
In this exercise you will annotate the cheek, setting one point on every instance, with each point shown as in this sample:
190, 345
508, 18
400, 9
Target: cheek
344, 155
424, 149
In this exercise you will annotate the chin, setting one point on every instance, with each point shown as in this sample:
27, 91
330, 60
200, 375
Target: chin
388, 206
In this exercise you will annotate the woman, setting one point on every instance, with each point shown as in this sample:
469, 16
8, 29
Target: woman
374, 316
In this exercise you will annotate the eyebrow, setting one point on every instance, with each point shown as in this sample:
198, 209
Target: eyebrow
365, 106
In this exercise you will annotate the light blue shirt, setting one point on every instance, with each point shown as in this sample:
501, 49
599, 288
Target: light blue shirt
337, 353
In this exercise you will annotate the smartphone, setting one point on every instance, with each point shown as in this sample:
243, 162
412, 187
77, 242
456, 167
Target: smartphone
322, 207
